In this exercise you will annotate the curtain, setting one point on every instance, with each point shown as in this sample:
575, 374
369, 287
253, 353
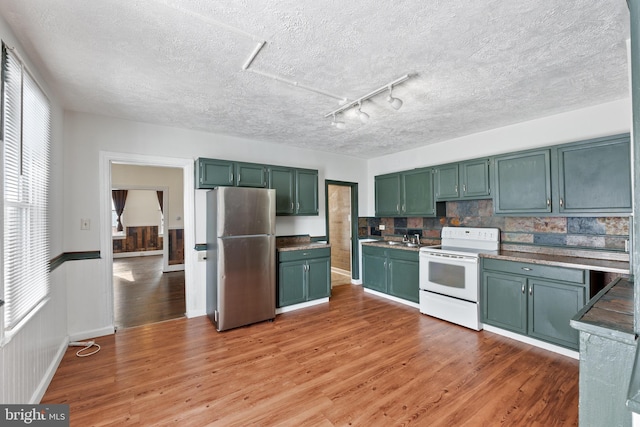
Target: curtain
159, 193
119, 199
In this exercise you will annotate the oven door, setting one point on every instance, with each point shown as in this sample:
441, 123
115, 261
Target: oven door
450, 275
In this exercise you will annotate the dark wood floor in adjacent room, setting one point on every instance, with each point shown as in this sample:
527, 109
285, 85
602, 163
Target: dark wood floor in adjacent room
143, 294
359, 360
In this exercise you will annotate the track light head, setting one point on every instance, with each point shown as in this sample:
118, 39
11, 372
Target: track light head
337, 123
396, 103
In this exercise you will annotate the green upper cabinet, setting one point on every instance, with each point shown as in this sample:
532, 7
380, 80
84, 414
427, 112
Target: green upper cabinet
212, 173
283, 181
464, 180
446, 182
475, 178
387, 194
417, 193
595, 176
407, 193
523, 183
296, 190
584, 178
251, 175
306, 192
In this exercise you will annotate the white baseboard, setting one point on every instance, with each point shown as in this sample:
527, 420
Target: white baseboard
528, 340
80, 336
301, 305
356, 281
39, 392
136, 254
174, 267
195, 313
392, 298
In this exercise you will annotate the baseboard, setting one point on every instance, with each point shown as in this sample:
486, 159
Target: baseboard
80, 336
195, 313
301, 305
392, 298
174, 267
136, 254
528, 340
356, 281
38, 394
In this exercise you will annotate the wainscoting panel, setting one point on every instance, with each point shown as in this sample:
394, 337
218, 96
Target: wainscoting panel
139, 239
176, 246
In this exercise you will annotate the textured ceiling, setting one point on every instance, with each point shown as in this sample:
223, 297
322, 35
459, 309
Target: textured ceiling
475, 65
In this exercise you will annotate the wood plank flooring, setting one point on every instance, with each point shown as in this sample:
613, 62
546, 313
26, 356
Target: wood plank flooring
143, 294
359, 360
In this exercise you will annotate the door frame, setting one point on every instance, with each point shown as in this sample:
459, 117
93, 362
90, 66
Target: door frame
106, 245
355, 256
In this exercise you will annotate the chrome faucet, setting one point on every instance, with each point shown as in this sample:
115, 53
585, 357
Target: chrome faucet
405, 239
417, 238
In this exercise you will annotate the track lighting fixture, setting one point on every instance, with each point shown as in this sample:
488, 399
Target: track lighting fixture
396, 103
337, 123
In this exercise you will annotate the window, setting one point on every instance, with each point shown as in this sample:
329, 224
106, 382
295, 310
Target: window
26, 134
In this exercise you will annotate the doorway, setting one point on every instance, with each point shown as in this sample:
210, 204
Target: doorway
147, 251
341, 201
183, 207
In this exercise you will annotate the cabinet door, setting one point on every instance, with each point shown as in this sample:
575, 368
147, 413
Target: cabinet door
387, 194
374, 271
214, 173
404, 279
446, 182
474, 176
504, 301
417, 193
523, 183
551, 306
291, 283
306, 192
318, 278
595, 177
283, 180
250, 175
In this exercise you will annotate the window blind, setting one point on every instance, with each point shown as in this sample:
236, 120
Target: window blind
26, 134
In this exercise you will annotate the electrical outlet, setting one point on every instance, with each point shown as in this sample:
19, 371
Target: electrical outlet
382, 226
202, 255
85, 224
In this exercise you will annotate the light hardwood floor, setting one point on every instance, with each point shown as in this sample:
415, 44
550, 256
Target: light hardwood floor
143, 294
358, 360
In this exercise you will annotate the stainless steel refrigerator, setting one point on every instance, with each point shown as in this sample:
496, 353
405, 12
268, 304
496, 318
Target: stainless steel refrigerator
241, 256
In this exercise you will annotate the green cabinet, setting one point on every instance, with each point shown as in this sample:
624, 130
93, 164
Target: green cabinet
251, 175
534, 300
212, 173
303, 275
595, 176
523, 183
407, 193
391, 271
463, 180
296, 190
585, 178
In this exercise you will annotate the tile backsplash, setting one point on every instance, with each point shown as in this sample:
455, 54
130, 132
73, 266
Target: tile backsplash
608, 233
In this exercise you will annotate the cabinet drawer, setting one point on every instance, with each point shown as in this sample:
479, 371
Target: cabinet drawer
535, 270
374, 250
403, 254
303, 254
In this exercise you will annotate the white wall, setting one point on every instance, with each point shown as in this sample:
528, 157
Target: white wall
87, 135
601, 120
29, 359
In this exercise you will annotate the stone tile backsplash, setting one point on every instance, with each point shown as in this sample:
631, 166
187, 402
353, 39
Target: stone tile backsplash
607, 233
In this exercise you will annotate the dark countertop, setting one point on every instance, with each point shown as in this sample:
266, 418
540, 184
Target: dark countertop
609, 313
596, 264
302, 246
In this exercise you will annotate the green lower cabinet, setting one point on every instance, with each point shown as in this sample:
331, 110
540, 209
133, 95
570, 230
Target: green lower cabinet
533, 305
504, 304
551, 307
303, 276
391, 271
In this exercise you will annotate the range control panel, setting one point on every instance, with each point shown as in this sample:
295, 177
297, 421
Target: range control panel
471, 233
